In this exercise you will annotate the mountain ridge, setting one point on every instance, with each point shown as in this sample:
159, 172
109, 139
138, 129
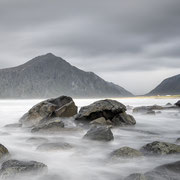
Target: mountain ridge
169, 86
49, 76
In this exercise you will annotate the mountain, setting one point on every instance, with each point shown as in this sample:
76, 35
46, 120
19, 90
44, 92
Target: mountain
170, 86
50, 76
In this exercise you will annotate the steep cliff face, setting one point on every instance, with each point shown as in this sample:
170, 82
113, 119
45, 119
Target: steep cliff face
48, 76
170, 86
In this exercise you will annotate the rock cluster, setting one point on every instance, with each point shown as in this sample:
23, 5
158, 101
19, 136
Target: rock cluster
58, 107
105, 112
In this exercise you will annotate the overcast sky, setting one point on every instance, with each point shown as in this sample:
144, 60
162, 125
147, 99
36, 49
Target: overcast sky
134, 43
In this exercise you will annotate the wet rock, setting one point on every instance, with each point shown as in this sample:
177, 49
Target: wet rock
126, 152
3, 152
178, 140
14, 168
101, 121
54, 146
169, 171
178, 103
151, 112
111, 110
99, 134
53, 126
145, 109
123, 119
160, 148
37, 140
136, 176
168, 104
58, 107
15, 125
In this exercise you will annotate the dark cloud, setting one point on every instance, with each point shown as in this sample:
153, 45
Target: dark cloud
103, 36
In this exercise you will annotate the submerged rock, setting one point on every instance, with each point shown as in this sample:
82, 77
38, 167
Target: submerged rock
13, 168
37, 140
136, 176
58, 107
99, 134
126, 152
3, 152
52, 126
169, 171
160, 148
113, 112
178, 140
54, 146
101, 121
15, 125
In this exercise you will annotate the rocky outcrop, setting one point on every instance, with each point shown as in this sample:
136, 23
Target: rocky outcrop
14, 168
160, 148
99, 134
54, 146
58, 107
112, 111
3, 151
125, 152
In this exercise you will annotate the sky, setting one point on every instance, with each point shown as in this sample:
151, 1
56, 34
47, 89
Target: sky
133, 43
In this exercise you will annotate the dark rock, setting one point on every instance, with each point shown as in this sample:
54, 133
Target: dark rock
126, 152
123, 119
160, 148
3, 152
178, 140
178, 103
59, 107
13, 168
99, 134
54, 146
15, 125
52, 126
136, 176
111, 110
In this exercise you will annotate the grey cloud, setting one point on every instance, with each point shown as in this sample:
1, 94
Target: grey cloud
102, 36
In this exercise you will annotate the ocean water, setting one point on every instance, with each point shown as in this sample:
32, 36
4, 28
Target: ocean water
88, 159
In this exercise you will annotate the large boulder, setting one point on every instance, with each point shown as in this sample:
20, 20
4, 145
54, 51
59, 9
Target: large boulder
3, 151
126, 152
99, 134
112, 111
58, 107
160, 148
14, 168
